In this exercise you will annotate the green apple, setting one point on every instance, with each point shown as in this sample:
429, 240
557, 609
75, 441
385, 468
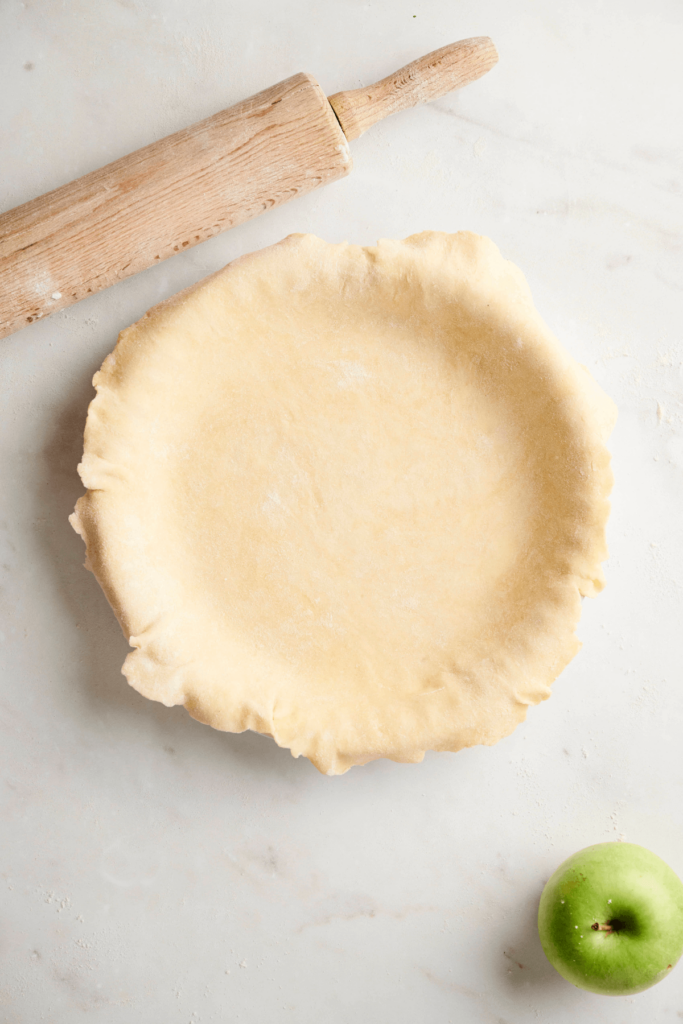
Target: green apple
611, 919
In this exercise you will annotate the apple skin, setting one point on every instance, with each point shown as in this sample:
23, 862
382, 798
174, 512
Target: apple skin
646, 904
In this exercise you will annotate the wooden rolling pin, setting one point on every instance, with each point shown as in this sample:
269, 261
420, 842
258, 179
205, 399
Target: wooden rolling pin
181, 190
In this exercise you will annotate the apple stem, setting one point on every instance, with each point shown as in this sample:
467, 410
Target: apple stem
610, 927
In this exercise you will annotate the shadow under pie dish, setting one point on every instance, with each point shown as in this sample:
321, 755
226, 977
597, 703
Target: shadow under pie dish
348, 497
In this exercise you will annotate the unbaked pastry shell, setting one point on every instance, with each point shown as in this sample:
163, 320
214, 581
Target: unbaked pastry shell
348, 497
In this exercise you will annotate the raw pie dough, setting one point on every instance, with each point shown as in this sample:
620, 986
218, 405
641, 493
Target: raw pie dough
348, 497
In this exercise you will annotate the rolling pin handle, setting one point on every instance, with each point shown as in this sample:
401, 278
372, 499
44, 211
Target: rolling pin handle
425, 79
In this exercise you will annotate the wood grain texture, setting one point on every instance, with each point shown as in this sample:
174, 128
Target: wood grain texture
157, 201
423, 80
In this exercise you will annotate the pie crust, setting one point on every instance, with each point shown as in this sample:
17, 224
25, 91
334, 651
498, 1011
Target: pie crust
348, 497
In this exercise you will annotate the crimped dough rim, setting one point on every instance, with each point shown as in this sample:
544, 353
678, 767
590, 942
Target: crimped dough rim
436, 325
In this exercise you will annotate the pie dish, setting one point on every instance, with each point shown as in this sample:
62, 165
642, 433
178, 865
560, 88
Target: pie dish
348, 497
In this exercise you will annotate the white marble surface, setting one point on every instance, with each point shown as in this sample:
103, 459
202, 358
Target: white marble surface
154, 870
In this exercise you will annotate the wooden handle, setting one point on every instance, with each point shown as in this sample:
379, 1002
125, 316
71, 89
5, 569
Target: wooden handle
425, 79
167, 197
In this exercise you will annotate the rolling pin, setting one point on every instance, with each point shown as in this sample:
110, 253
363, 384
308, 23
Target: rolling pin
189, 186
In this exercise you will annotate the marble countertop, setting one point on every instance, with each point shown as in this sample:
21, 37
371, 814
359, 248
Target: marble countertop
154, 870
